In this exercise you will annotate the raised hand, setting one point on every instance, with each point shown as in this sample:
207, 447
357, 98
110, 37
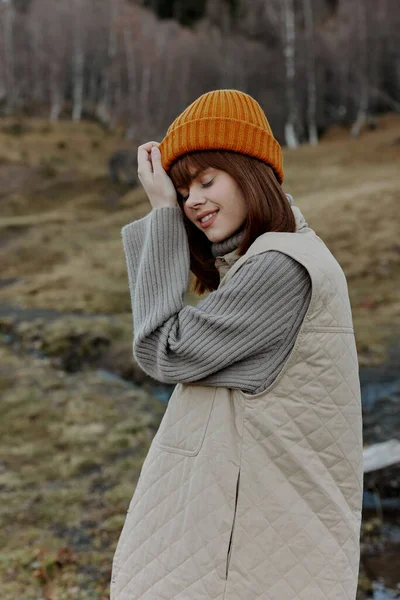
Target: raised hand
155, 181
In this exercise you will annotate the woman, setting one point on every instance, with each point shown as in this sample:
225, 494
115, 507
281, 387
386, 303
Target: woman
252, 486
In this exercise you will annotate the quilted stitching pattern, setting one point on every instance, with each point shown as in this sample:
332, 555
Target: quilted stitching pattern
184, 425
177, 533
298, 446
309, 519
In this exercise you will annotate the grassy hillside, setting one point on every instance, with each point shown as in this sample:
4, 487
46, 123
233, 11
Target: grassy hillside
61, 218
73, 429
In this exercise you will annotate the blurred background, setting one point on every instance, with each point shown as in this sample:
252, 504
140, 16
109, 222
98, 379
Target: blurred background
82, 84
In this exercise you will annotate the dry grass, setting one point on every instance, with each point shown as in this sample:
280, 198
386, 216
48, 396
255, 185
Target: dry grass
61, 234
349, 191
71, 449
72, 443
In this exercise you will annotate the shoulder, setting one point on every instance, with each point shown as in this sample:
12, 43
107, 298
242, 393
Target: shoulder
272, 276
266, 285
272, 264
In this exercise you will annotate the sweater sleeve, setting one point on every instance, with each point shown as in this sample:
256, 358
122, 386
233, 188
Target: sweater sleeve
248, 316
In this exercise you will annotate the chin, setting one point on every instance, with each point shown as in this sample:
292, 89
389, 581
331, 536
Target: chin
215, 237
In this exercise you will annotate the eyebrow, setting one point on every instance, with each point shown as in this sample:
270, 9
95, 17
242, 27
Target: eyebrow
196, 173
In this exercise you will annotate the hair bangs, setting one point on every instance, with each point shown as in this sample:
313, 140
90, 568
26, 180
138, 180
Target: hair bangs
268, 207
190, 165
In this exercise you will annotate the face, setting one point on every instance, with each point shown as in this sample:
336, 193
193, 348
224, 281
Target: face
214, 191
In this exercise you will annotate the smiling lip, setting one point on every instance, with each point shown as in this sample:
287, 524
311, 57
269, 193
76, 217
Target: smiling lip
209, 222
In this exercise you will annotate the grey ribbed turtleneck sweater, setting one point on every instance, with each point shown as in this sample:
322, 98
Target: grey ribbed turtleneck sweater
239, 336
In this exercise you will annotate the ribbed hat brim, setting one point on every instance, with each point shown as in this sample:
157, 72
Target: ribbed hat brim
223, 120
219, 133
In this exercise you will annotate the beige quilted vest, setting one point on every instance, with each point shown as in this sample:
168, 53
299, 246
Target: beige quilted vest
257, 497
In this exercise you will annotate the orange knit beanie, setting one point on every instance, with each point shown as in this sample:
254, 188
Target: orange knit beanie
223, 120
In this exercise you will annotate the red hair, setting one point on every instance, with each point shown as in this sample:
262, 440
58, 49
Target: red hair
268, 206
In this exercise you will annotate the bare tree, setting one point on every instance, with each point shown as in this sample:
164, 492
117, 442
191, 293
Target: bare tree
57, 67
130, 61
38, 58
8, 17
289, 41
378, 38
104, 107
118, 61
362, 72
311, 74
78, 60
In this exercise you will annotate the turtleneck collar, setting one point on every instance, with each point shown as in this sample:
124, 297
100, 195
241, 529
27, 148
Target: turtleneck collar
231, 243
234, 241
225, 252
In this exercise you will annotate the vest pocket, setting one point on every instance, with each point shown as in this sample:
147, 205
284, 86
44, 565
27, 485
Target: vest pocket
185, 421
228, 556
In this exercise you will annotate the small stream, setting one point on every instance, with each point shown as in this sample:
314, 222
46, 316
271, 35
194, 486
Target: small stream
380, 391
161, 391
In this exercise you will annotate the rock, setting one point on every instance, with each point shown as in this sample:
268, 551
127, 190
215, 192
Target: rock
381, 455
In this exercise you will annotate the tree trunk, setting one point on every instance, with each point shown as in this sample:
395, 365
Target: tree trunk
311, 75
8, 26
55, 91
103, 109
363, 70
78, 63
289, 39
38, 92
130, 62
145, 88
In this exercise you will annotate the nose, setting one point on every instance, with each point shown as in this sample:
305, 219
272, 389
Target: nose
195, 199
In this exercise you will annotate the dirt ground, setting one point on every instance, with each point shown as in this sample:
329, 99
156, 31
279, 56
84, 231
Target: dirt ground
77, 416
61, 219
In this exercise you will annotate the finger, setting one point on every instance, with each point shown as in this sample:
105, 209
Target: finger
144, 157
151, 143
156, 160
144, 160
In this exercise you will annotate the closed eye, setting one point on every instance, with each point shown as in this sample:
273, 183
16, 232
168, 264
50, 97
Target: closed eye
204, 185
